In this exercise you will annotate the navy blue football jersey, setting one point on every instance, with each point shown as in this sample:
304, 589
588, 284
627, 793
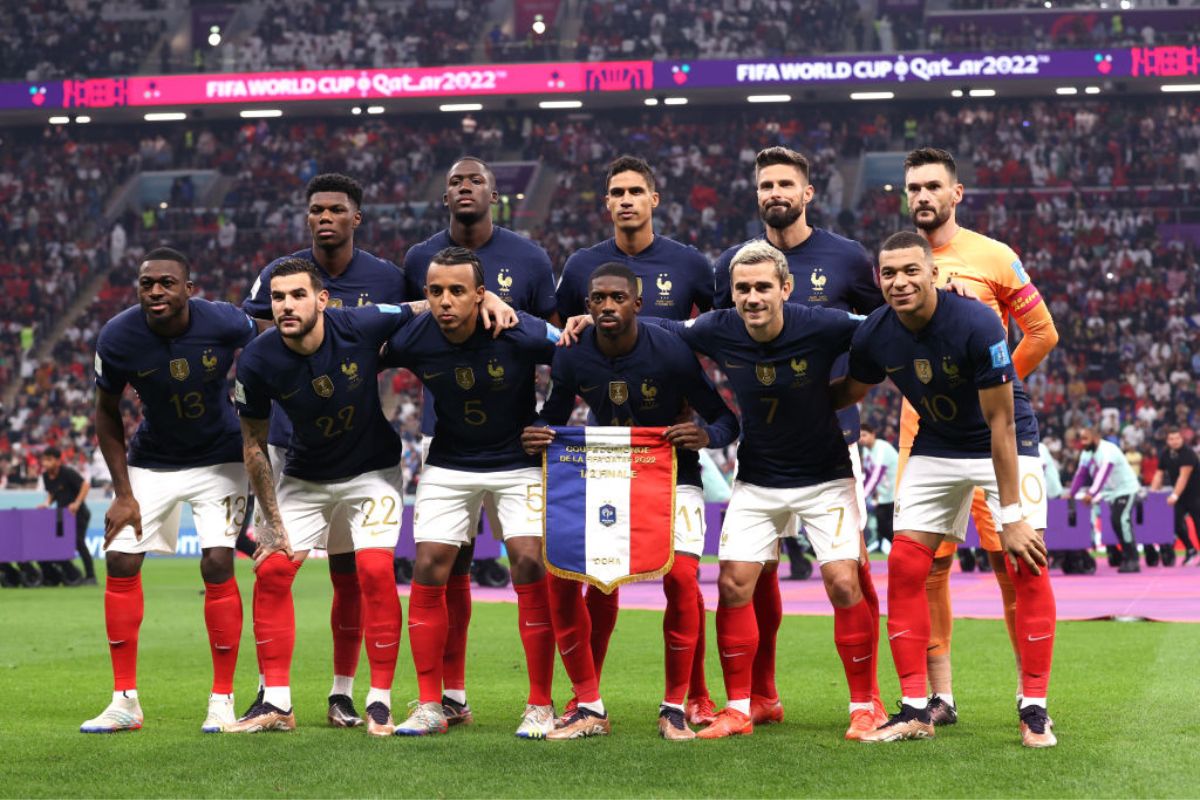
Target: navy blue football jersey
790, 434
515, 268
331, 396
483, 389
940, 369
649, 387
187, 419
827, 270
368, 279
672, 278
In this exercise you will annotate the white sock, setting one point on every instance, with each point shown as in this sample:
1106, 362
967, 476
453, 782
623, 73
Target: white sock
224, 698
597, 707
861, 707
918, 703
278, 696
379, 696
739, 705
128, 694
947, 698
342, 684
676, 706
457, 695
262, 681
1026, 702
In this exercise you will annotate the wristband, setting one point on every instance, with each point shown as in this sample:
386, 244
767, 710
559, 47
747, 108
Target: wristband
1174, 496
1010, 514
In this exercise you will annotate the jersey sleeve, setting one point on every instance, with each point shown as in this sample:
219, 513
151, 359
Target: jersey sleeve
239, 327
258, 304
702, 296
380, 321
695, 332
570, 294
988, 348
535, 336
722, 290
864, 293
561, 400
1020, 298
542, 301
863, 366
250, 393
840, 327
108, 376
414, 273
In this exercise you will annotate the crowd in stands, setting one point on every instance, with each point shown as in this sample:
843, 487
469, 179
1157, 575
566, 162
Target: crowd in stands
1079, 189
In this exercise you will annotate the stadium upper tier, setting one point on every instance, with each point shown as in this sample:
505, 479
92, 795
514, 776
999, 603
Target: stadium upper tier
54, 39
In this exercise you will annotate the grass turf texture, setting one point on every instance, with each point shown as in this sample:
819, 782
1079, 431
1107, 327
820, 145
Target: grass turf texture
1122, 697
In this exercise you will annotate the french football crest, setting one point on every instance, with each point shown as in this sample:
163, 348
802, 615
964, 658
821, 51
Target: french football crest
949, 367
496, 369
335, 302
608, 515
765, 373
924, 369
799, 365
323, 386
350, 370
618, 392
663, 283
649, 390
364, 299
208, 360
504, 279
180, 369
464, 377
817, 279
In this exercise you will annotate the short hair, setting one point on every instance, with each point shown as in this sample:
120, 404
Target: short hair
867, 427
771, 156
52, 451
760, 251
170, 254
629, 164
931, 155
336, 182
453, 256
615, 269
491, 176
902, 240
1170, 429
299, 266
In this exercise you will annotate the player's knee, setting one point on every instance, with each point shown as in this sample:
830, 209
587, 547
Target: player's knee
216, 564
526, 568
682, 579
843, 590
123, 565
734, 591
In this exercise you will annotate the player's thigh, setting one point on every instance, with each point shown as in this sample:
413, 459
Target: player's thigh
934, 495
341, 536
218, 501
689, 520
830, 515
754, 521
516, 496
447, 506
278, 457
305, 507
1034, 505
159, 494
373, 508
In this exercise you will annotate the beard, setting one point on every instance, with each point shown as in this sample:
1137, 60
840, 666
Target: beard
469, 218
940, 218
306, 327
780, 217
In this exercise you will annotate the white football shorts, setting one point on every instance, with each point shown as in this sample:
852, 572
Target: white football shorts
217, 495
449, 503
370, 504
758, 516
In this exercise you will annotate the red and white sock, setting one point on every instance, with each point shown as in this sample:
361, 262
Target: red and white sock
381, 613
427, 630
537, 637
856, 646
602, 610
681, 624
275, 619
458, 611
345, 621
1035, 623
737, 642
223, 618
908, 613
573, 632
768, 611
124, 608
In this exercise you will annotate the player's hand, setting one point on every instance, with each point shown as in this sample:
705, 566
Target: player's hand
1172, 499
73, 507
1086, 498
1023, 545
123, 512
573, 328
687, 435
535, 439
961, 289
270, 540
493, 309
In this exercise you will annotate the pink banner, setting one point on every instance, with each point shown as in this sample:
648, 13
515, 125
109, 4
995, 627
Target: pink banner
275, 87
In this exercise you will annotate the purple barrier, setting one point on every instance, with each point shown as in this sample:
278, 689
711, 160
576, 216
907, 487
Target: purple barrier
1157, 525
34, 534
486, 545
10, 535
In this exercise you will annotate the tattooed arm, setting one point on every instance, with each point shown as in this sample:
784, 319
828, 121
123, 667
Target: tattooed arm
269, 533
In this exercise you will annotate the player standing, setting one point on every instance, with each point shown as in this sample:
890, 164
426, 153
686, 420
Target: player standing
949, 356
879, 479
1104, 473
176, 352
519, 272
483, 394
827, 271
994, 274
353, 278
636, 375
672, 279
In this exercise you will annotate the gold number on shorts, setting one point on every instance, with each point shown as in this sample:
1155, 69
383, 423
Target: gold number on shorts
940, 407
683, 514
773, 403
387, 504
189, 406
329, 426
535, 501
235, 510
841, 512
473, 412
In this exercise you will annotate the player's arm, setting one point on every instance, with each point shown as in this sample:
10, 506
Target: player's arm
1156, 483
110, 433
495, 310
847, 391
1018, 538
85, 486
873, 480
1185, 475
862, 372
270, 534
722, 427
1082, 476
1027, 308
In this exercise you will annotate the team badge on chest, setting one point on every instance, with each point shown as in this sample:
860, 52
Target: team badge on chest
765, 373
323, 386
618, 392
464, 377
180, 369
924, 370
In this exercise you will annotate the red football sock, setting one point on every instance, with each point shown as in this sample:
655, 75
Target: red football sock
856, 646
275, 618
737, 641
124, 608
427, 628
573, 632
458, 611
698, 684
537, 637
223, 618
872, 598
681, 623
345, 620
1008, 596
381, 613
602, 610
1036, 614
253, 616
768, 610
908, 612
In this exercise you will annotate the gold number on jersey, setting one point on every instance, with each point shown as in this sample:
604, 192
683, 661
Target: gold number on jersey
387, 504
235, 510
473, 412
772, 407
329, 426
940, 407
189, 406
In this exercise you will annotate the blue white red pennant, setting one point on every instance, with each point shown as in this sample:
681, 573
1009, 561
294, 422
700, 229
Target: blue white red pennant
610, 505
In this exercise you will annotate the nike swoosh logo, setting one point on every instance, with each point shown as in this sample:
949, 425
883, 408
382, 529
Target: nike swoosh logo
428, 376
223, 646
588, 388
733, 366
890, 370
536, 624
264, 641
570, 649
289, 394
897, 635
342, 627
144, 372
114, 644
677, 649
387, 645
1040, 638
732, 655
415, 624
858, 660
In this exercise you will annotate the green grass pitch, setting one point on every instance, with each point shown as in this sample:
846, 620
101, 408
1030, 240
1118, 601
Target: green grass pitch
1125, 698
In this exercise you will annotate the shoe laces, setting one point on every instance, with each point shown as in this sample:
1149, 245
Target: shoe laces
379, 713
580, 713
673, 716
1034, 718
905, 714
